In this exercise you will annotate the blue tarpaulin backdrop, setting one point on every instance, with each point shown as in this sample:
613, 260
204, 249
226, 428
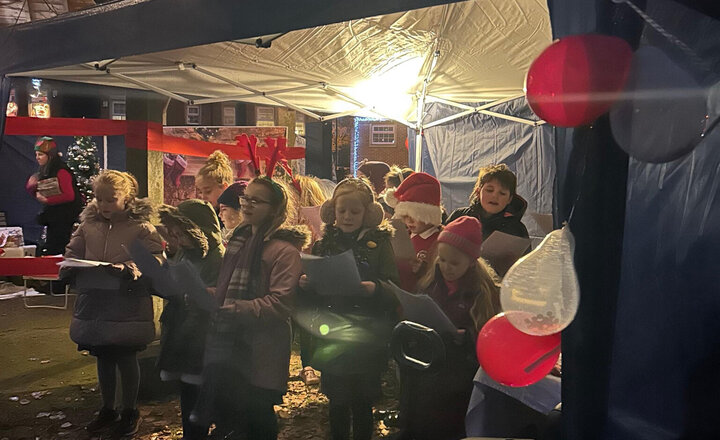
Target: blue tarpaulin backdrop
453, 152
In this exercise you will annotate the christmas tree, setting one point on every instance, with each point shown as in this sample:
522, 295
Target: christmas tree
83, 161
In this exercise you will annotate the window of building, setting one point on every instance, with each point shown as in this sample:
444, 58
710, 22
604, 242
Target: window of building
382, 134
117, 110
192, 115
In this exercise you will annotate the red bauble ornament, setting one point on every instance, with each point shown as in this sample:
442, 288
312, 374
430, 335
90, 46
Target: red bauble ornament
577, 78
512, 357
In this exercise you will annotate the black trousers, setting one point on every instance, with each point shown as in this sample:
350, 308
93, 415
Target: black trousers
58, 236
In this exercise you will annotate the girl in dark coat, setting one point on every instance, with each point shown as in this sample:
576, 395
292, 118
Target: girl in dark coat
434, 403
351, 369
58, 193
192, 233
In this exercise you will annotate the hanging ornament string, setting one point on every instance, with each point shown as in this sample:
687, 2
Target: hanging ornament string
687, 50
670, 37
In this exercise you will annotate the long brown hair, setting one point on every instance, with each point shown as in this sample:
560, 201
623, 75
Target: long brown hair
481, 279
279, 201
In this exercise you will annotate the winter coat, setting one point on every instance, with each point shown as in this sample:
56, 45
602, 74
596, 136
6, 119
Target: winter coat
184, 324
112, 308
508, 221
263, 336
374, 315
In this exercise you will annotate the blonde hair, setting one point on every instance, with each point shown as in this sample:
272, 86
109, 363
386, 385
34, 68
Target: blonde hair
396, 175
123, 183
217, 168
480, 278
311, 194
362, 189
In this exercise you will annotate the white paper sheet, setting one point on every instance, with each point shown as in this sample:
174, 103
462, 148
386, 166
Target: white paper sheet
422, 310
502, 250
335, 275
77, 262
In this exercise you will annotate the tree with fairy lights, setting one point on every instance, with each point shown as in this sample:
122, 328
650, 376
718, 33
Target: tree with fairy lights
83, 161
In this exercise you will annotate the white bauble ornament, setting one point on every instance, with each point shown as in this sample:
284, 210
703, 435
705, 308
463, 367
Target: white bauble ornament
542, 287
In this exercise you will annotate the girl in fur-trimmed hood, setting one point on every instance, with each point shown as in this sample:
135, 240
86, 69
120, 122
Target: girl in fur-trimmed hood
192, 233
113, 316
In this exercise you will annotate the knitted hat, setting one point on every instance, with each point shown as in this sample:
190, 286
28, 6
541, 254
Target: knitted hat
464, 233
231, 196
373, 211
418, 197
375, 172
46, 144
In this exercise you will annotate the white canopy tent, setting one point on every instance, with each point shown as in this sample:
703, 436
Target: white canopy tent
389, 65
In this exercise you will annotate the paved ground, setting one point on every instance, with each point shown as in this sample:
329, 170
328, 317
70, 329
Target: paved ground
48, 390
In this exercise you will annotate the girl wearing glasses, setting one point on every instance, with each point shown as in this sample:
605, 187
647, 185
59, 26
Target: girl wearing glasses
257, 280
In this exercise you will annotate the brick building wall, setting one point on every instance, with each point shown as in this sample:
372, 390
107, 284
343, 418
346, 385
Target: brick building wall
394, 154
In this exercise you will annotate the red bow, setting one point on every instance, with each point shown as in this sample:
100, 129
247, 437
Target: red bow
250, 143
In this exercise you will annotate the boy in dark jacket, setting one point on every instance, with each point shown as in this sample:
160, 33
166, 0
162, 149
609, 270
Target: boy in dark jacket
495, 203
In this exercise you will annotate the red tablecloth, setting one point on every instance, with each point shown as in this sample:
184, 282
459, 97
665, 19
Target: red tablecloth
30, 266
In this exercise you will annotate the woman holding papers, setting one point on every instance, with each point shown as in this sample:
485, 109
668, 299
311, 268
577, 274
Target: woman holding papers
495, 203
351, 368
434, 404
193, 235
113, 316
256, 284
54, 186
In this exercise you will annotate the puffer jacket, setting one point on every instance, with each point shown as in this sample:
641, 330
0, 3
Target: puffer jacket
112, 308
508, 221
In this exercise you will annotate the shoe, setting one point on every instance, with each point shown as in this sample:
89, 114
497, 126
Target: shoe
309, 376
103, 420
129, 423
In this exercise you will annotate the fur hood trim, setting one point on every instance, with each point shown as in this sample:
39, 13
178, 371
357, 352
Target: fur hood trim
140, 210
169, 215
298, 236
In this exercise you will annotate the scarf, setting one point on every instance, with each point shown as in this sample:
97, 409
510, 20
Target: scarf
240, 268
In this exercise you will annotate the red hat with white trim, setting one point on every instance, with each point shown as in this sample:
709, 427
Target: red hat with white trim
418, 196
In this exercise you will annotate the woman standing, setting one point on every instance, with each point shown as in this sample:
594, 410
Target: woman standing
54, 186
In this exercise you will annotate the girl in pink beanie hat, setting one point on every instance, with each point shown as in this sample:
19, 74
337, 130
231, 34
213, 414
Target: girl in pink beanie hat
465, 288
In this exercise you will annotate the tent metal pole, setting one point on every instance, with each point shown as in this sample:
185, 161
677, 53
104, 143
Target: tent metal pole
509, 118
227, 80
340, 115
142, 71
449, 118
250, 95
392, 118
292, 106
497, 102
105, 153
448, 102
369, 107
421, 110
149, 87
261, 93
